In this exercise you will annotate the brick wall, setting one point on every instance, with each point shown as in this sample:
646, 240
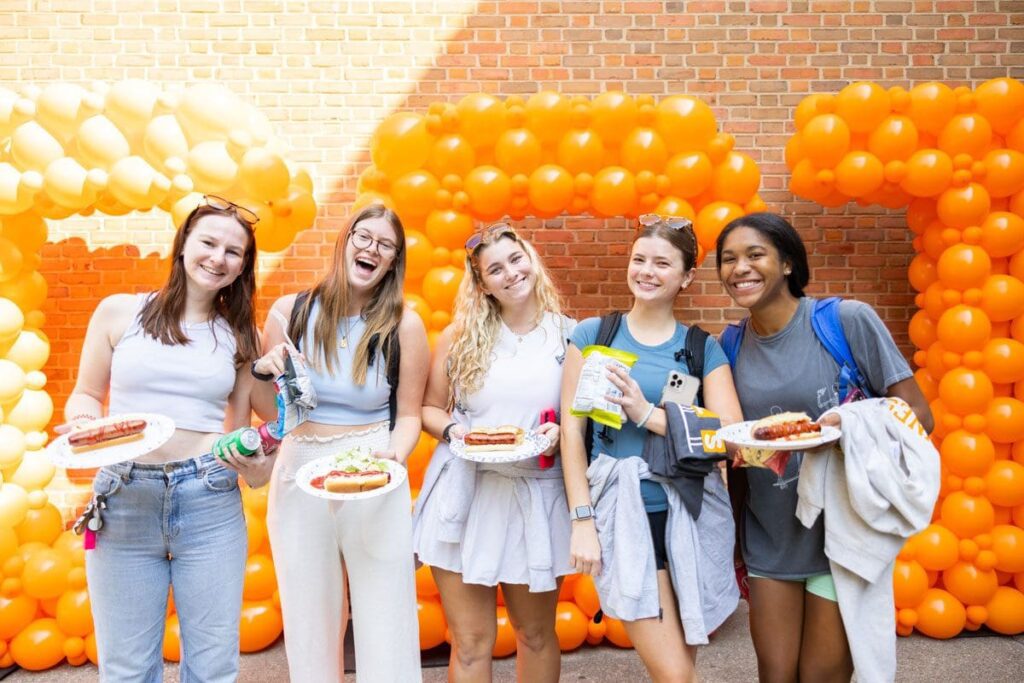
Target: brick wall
327, 72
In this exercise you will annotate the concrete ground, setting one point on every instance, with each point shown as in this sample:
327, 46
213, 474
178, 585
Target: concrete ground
728, 659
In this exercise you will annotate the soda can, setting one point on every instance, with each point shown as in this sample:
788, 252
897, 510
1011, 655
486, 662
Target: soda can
267, 438
246, 440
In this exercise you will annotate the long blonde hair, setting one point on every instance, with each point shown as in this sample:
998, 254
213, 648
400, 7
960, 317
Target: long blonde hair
382, 312
477, 322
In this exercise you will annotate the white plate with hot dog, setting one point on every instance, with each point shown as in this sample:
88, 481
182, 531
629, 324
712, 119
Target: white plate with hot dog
353, 475
110, 440
782, 432
497, 445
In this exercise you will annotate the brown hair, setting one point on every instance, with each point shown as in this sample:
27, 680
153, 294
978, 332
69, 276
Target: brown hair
682, 238
161, 315
382, 312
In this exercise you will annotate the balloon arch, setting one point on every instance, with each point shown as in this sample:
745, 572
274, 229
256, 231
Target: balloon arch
954, 157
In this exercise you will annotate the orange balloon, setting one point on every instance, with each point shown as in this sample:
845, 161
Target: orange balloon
551, 190
260, 578
1002, 234
736, 178
689, 174
963, 328
685, 123
615, 632
1004, 360
448, 228
401, 144
482, 118
967, 454
518, 151
260, 626
966, 515
90, 649
928, 173
614, 192
673, 206
505, 642
548, 116
961, 207
451, 155
1004, 172
921, 330
16, 612
1002, 297
567, 588
440, 285
418, 253
585, 595
940, 615
863, 106
966, 134
489, 190
1004, 483
43, 525
811, 106
432, 623
74, 615
1006, 611
39, 646
970, 585
570, 626
596, 631
965, 391
419, 306
826, 139
425, 586
172, 639
614, 115
414, 194
910, 583
895, 138
1004, 420
46, 574
1008, 546
859, 173
1000, 101
711, 219
581, 151
805, 183
644, 150
964, 266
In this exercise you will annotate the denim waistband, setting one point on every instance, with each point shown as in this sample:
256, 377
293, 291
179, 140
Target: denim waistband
179, 469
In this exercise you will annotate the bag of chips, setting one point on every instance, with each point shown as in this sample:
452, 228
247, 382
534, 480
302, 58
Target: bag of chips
594, 385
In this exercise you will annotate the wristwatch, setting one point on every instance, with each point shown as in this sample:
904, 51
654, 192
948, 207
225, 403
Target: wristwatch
581, 512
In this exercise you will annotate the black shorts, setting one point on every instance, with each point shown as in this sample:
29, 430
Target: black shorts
658, 522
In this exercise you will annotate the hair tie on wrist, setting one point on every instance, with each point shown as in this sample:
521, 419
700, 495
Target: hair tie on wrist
261, 376
446, 433
646, 417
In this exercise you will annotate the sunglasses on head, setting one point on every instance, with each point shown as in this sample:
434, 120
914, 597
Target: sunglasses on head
488, 235
240, 212
673, 222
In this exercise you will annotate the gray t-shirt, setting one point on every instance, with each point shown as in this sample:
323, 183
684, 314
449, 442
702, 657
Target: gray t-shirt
791, 370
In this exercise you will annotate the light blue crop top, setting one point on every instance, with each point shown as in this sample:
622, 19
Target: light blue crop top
189, 383
339, 400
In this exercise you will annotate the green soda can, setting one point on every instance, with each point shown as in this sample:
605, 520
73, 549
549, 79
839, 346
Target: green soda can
246, 440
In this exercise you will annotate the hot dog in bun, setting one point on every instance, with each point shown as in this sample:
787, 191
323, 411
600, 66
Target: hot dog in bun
354, 471
106, 434
785, 427
503, 438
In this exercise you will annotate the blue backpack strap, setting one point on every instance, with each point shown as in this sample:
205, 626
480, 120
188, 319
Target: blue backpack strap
731, 338
829, 330
606, 332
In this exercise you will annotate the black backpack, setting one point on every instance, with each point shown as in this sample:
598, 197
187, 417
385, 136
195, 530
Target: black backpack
692, 351
392, 356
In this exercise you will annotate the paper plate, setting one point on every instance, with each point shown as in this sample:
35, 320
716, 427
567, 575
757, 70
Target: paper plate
159, 430
321, 466
739, 435
533, 445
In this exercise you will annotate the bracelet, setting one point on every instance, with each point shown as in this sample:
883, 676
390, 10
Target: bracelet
261, 376
81, 416
646, 417
447, 432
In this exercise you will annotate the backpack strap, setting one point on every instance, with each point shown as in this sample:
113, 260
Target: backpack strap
731, 338
696, 339
829, 329
606, 332
300, 300
392, 360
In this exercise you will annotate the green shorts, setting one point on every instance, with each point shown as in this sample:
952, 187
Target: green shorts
821, 585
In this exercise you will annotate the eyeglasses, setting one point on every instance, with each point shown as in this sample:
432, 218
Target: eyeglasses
240, 212
364, 240
674, 222
490, 234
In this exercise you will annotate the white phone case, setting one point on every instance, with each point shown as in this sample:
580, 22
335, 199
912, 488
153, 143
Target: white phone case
680, 388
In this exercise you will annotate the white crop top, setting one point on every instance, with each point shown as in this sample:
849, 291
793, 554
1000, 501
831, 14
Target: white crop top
190, 383
525, 377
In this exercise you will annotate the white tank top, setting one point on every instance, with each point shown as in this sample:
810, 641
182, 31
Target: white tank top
525, 377
190, 383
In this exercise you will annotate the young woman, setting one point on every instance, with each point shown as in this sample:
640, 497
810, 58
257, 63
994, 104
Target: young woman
498, 363
781, 366
173, 517
345, 327
661, 265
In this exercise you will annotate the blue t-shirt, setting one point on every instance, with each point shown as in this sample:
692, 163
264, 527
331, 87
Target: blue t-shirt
651, 373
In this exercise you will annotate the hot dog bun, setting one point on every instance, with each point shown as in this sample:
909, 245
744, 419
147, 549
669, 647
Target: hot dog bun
106, 434
338, 482
785, 427
503, 438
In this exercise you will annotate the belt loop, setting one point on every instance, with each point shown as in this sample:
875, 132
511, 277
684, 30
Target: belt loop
126, 477
200, 465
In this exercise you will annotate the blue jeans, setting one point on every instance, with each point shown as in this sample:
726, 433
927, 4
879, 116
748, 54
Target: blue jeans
180, 525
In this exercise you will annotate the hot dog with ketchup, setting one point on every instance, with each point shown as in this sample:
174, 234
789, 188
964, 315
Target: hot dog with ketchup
107, 434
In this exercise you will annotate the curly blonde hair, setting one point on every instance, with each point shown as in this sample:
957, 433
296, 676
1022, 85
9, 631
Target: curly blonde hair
477, 321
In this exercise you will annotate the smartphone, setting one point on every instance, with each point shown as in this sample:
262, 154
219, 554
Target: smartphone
680, 388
